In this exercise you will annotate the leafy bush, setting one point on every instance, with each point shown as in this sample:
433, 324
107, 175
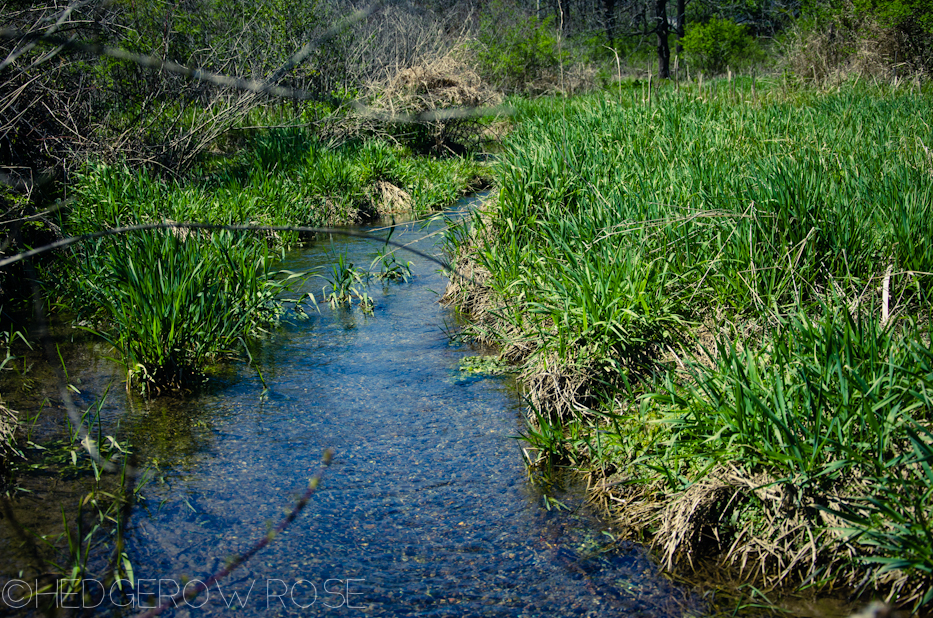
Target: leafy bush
904, 14
719, 43
515, 50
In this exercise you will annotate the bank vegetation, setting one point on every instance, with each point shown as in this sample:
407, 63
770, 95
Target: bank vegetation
709, 252
719, 302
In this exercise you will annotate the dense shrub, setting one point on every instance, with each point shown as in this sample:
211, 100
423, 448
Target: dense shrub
718, 44
515, 50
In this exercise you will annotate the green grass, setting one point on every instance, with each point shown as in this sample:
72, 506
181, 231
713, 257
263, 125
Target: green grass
769, 219
282, 177
171, 303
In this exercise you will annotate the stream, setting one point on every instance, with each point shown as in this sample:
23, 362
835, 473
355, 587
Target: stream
427, 508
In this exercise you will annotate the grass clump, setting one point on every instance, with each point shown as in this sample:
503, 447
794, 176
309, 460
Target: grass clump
819, 437
172, 304
707, 292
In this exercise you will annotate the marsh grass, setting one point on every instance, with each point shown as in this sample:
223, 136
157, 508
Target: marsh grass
171, 305
172, 302
720, 297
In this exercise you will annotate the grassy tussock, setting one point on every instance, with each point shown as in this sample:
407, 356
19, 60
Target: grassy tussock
173, 304
719, 301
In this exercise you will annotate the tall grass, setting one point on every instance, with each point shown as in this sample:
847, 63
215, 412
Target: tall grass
789, 228
172, 305
630, 219
281, 177
172, 302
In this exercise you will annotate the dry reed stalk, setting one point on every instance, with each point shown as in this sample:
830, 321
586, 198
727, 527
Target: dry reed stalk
8, 423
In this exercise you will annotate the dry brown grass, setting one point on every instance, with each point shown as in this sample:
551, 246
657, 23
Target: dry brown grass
390, 199
856, 47
8, 422
439, 95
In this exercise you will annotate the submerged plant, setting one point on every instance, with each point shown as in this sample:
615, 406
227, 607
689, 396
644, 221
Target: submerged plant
485, 365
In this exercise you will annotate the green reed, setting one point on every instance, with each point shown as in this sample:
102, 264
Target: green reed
746, 207
171, 305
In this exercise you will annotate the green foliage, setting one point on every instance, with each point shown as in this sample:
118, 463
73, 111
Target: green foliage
171, 304
763, 17
894, 517
823, 397
514, 50
345, 283
283, 177
780, 212
718, 44
390, 269
834, 406
904, 14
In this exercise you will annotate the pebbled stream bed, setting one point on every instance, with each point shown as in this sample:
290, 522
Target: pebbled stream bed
426, 510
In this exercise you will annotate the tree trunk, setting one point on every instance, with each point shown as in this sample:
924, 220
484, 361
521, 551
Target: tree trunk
662, 30
681, 25
610, 8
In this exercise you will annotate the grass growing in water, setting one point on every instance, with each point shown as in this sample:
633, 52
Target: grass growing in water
784, 228
172, 302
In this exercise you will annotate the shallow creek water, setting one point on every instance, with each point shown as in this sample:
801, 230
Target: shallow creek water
427, 508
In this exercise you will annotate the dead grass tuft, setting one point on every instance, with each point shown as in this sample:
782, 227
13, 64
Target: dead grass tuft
558, 386
857, 46
445, 84
8, 423
391, 200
